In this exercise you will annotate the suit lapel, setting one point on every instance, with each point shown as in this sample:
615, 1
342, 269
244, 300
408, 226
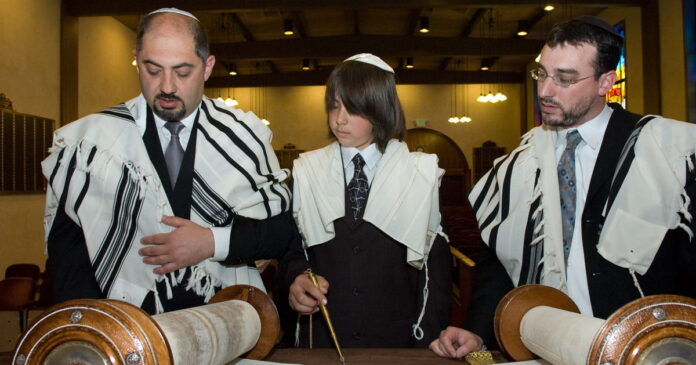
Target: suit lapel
619, 128
180, 197
184, 184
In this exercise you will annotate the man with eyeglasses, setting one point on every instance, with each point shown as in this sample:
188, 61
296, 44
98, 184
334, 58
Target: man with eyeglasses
595, 202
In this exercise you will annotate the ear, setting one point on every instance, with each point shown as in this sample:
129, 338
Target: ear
606, 82
209, 63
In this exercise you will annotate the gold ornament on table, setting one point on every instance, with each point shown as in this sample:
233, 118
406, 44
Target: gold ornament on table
480, 357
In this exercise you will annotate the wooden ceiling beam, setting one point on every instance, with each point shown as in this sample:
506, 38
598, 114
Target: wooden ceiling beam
246, 33
139, 7
384, 45
403, 76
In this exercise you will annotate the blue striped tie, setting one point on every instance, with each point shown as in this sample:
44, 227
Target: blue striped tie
567, 188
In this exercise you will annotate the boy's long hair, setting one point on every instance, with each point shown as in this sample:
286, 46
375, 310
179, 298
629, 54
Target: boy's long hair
369, 92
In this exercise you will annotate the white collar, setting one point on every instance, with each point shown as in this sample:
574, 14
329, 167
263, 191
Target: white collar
370, 154
592, 131
187, 122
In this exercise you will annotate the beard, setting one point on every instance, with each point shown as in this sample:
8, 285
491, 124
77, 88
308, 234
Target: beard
569, 116
169, 115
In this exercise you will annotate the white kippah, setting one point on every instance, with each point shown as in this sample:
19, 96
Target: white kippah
371, 59
174, 10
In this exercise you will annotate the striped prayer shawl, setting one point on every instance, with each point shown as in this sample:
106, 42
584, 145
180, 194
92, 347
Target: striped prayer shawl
522, 224
100, 170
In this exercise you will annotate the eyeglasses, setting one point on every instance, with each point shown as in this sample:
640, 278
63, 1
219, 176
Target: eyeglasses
541, 75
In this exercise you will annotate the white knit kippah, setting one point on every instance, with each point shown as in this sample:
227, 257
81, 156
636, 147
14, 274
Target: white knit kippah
371, 59
174, 10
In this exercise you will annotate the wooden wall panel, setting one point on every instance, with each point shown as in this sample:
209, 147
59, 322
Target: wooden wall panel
24, 143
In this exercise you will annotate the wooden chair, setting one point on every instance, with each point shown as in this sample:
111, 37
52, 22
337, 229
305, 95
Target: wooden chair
16, 294
23, 270
462, 286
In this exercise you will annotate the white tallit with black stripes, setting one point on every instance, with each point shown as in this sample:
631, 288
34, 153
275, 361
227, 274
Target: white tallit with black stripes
115, 195
524, 227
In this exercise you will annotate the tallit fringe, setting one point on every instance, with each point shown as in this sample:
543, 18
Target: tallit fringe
684, 210
417, 330
159, 308
297, 330
689, 163
551, 268
636, 283
198, 274
168, 284
538, 239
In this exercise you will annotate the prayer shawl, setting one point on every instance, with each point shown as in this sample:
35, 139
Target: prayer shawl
518, 210
403, 201
115, 194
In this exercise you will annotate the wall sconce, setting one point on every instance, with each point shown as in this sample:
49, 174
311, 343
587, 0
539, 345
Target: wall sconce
409, 62
486, 64
424, 24
287, 27
522, 28
305, 64
549, 7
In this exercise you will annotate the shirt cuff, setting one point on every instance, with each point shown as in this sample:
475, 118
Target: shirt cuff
221, 236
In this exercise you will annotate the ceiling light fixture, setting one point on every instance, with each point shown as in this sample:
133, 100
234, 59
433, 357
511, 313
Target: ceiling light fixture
232, 69
305, 64
522, 28
549, 7
409, 62
424, 26
288, 28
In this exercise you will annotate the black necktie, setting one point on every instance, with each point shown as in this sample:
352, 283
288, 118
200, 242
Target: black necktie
358, 187
174, 153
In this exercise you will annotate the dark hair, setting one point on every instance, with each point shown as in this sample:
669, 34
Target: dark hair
369, 92
576, 32
195, 28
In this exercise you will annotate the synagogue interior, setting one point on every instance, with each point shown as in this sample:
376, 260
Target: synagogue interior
462, 69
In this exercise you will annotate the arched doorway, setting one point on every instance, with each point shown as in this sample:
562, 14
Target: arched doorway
457, 179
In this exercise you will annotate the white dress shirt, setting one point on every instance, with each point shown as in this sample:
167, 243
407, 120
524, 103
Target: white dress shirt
221, 235
592, 133
370, 154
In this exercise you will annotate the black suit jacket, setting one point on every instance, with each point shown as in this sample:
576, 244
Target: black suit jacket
610, 286
250, 239
374, 295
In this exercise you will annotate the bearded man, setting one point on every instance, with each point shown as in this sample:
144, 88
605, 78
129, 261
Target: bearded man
168, 197
596, 202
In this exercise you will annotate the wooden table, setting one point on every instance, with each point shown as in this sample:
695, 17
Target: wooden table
364, 357
353, 357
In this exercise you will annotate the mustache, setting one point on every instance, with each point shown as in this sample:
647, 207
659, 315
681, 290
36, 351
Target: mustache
167, 96
550, 101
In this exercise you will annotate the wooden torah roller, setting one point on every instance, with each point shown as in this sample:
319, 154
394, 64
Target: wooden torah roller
239, 319
536, 320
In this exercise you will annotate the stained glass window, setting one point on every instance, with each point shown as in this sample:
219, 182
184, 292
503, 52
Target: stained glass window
618, 93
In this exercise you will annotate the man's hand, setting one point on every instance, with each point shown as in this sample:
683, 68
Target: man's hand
304, 297
455, 343
187, 245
